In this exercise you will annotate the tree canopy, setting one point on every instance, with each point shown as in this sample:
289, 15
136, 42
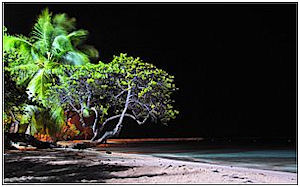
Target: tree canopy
125, 87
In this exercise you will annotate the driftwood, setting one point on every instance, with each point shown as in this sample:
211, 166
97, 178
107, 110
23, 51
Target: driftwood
24, 141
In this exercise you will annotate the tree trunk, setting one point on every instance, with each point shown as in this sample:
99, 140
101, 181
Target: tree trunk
14, 128
95, 121
45, 127
28, 130
96, 133
81, 119
119, 125
95, 129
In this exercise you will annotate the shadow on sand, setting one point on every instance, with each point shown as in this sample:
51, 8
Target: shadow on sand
50, 166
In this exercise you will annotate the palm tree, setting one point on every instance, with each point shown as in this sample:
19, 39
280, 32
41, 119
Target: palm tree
52, 43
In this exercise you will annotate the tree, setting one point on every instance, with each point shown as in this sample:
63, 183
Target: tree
18, 109
14, 96
52, 42
126, 87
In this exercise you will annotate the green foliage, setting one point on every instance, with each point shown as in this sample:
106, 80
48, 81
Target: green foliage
53, 41
153, 87
15, 97
52, 65
101, 86
34, 62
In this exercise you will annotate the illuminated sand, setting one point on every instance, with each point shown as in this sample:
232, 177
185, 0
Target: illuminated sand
69, 166
174, 171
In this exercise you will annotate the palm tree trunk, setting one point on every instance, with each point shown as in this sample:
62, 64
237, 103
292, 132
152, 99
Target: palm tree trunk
15, 126
28, 130
12, 128
45, 126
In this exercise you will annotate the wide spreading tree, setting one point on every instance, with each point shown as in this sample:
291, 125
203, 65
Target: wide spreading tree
125, 87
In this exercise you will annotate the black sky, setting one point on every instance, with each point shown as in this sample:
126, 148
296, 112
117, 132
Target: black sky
235, 64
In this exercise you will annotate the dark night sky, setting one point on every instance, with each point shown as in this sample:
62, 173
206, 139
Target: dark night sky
235, 64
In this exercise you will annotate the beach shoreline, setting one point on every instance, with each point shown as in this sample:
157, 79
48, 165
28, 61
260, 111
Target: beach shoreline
116, 167
180, 171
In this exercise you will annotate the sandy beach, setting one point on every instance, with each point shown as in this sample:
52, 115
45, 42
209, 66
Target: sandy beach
90, 166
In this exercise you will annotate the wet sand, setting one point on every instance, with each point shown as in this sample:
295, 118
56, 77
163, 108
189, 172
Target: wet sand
90, 166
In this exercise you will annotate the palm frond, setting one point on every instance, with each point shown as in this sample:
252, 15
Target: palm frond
35, 53
17, 42
23, 73
78, 37
29, 110
64, 22
38, 86
29, 113
43, 31
10, 42
39, 118
75, 58
57, 31
90, 51
61, 45
57, 115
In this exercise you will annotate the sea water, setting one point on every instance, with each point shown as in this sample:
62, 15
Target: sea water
277, 160
267, 157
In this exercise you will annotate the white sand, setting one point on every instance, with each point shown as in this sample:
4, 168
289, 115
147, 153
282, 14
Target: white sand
149, 169
90, 166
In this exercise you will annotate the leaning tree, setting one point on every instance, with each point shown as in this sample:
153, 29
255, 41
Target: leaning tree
126, 87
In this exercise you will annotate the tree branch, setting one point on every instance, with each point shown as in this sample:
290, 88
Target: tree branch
142, 122
76, 110
117, 116
89, 99
120, 85
81, 119
89, 96
95, 130
141, 104
118, 127
120, 94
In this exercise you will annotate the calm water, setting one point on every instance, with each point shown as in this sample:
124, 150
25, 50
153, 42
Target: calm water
262, 157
